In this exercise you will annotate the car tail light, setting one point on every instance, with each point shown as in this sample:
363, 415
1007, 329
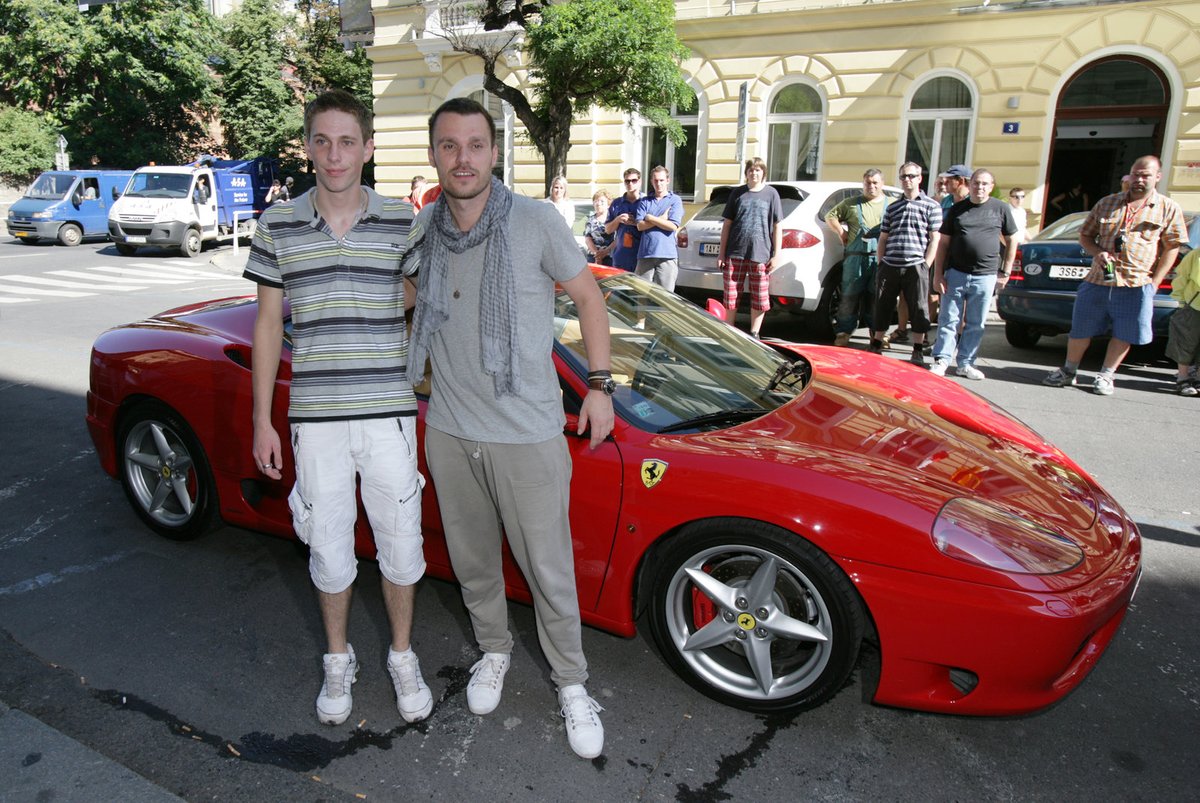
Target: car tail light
795, 238
681, 239
1017, 275
1165, 285
983, 534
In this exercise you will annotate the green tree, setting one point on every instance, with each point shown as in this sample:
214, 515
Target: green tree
260, 112
622, 55
321, 60
128, 82
27, 145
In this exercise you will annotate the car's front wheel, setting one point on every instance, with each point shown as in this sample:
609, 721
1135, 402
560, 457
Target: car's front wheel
70, 235
1021, 335
165, 473
754, 616
192, 244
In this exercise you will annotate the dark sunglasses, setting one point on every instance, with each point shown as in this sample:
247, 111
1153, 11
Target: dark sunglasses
910, 175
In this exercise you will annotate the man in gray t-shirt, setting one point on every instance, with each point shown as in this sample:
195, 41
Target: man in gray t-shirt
494, 441
751, 238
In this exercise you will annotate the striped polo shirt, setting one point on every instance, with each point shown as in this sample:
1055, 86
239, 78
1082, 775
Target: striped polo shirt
909, 222
349, 343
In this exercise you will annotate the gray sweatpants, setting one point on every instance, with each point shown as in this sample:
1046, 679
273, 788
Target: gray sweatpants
524, 489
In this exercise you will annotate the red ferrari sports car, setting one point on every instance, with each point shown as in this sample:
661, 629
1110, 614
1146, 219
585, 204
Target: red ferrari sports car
769, 508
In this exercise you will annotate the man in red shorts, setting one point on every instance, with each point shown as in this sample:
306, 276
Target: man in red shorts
751, 238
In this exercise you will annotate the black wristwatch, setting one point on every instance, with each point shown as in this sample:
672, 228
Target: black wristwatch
602, 381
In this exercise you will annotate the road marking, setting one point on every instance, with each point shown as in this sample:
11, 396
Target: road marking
5, 300
50, 578
71, 285
75, 274
9, 288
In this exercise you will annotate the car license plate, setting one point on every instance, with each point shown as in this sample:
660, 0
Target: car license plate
709, 249
22, 234
135, 238
1069, 271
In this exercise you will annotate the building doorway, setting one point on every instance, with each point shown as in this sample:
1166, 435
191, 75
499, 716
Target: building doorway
1112, 111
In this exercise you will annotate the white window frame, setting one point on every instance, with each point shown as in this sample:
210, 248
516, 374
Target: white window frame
768, 119
936, 163
637, 148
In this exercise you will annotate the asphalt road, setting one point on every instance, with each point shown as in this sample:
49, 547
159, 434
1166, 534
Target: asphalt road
194, 665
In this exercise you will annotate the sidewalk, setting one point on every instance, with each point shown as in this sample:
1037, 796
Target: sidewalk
38, 762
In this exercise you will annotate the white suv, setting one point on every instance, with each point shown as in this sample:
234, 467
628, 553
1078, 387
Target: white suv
808, 282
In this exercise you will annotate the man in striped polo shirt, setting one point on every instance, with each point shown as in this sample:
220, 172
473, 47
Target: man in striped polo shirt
908, 242
335, 253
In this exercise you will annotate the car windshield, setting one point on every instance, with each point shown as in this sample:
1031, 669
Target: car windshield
677, 368
159, 185
51, 186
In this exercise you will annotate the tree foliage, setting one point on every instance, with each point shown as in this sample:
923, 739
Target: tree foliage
125, 83
622, 55
27, 145
260, 112
321, 61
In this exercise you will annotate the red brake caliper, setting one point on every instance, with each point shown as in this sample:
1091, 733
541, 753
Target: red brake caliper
704, 610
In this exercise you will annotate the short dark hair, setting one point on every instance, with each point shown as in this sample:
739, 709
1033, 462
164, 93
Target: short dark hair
465, 107
872, 172
342, 101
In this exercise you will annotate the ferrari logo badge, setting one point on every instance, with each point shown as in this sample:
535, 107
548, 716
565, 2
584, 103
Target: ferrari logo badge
652, 472
746, 621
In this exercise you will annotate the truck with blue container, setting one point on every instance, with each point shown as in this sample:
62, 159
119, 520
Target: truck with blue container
185, 206
68, 206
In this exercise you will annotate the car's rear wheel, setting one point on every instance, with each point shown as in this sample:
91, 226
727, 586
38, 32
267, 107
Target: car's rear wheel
165, 473
69, 234
1021, 335
754, 616
125, 250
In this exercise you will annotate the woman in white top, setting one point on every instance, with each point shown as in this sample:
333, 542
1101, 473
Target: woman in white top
558, 197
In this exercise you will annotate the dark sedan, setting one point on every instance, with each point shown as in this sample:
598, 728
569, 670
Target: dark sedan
1041, 293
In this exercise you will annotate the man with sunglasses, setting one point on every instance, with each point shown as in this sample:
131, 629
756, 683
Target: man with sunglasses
908, 241
1016, 197
622, 222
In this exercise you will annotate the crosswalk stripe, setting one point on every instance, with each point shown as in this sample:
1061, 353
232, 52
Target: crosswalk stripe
96, 286
74, 274
155, 276
175, 269
6, 300
34, 291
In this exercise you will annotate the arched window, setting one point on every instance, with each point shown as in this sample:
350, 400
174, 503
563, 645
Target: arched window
679, 159
794, 127
939, 125
499, 111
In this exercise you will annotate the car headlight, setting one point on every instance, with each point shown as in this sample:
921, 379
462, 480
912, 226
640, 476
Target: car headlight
42, 215
983, 534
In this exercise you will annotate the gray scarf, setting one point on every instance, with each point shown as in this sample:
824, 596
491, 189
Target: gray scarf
497, 295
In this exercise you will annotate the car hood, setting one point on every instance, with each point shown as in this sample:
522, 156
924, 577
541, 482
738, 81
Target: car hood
907, 433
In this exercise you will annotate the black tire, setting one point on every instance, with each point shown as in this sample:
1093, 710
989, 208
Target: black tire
1020, 335
821, 323
125, 250
192, 244
70, 235
809, 599
165, 473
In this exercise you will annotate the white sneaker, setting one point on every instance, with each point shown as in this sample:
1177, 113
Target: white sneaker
584, 731
1103, 385
412, 695
969, 372
487, 681
939, 368
335, 701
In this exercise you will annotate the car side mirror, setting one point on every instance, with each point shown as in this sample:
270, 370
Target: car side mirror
77, 198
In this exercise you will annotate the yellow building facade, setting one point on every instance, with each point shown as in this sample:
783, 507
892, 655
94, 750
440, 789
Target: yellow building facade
1051, 96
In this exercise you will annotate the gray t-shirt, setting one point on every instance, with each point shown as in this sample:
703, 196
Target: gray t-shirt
753, 216
462, 401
